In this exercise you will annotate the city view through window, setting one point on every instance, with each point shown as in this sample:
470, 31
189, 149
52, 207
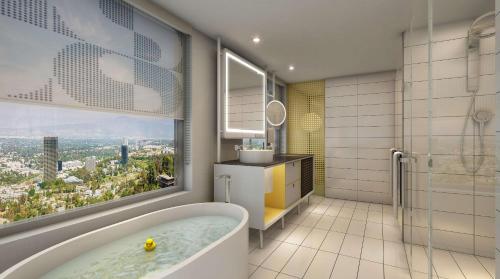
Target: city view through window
54, 159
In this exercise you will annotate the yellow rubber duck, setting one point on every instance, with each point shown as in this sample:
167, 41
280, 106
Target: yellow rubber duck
150, 245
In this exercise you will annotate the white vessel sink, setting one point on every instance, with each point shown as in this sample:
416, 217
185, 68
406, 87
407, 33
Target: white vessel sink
256, 156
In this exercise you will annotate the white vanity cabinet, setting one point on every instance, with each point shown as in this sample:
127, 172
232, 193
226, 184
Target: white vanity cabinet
268, 191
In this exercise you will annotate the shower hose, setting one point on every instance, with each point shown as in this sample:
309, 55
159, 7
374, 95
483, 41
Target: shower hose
475, 167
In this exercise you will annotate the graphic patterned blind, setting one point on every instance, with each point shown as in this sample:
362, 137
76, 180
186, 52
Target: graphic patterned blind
93, 54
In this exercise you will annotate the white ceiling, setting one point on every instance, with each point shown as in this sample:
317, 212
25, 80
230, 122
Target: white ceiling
322, 38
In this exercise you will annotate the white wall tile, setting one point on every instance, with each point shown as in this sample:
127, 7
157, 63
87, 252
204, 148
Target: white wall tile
340, 81
359, 132
348, 121
484, 226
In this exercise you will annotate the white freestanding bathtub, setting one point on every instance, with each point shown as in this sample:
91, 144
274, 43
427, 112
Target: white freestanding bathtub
225, 258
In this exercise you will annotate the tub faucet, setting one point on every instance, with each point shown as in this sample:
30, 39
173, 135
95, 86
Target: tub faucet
227, 183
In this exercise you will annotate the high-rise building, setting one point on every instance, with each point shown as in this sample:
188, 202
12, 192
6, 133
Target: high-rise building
124, 152
90, 163
50, 155
59, 165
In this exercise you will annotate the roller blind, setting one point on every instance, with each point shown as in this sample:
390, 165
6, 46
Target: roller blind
92, 54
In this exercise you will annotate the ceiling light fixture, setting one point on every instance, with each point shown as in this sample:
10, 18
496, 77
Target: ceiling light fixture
256, 40
291, 67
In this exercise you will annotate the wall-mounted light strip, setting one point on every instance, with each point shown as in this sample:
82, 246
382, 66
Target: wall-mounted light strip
229, 55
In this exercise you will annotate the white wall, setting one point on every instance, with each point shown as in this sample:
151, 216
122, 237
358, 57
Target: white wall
359, 131
199, 176
463, 203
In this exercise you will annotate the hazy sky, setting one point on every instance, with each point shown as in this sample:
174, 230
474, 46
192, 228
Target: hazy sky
35, 120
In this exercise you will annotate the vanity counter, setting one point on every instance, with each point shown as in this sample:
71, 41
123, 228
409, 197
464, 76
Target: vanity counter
278, 159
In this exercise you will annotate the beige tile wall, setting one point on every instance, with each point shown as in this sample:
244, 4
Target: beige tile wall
359, 131
463, 203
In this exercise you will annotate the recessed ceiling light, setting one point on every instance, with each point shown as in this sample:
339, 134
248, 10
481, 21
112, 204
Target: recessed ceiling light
256, 39
291, 67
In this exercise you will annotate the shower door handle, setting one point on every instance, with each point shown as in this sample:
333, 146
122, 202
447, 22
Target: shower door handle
395, 172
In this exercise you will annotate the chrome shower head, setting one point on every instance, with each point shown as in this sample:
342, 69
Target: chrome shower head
482, 27
482, 116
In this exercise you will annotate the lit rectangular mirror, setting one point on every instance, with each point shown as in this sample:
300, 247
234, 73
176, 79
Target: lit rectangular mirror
244, 108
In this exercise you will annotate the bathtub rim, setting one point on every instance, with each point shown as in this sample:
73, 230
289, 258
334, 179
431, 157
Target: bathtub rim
242, 223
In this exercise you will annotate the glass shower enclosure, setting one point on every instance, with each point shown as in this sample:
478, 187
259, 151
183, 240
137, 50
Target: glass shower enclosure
444, 158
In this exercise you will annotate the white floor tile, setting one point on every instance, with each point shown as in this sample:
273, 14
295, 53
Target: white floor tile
388, 218
277, 260
253, 243
321, 266
360, 214
296, 219
251, 269
392, 233
332, 242
373, 250
352, 246
311, 220
298, 235
285, 276
394, 254
338, 202
345, 268
420, 275
417, 259
374, 216
315, 238
333, 210
258, 255
325, 222
396, 273
489, 264
281, 234
370, 270
336, 228
262, 273
340, 225
320, 209
346, 212
373, 230
300, 261
470, 266
327, 201
356, 228
363, 205
309, 207
350, 204
375, 207
445, 265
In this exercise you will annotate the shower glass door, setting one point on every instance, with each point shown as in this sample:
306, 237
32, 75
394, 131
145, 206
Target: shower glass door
416, 140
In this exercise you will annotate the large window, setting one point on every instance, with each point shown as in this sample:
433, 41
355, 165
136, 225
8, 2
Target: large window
54, 159
92, 105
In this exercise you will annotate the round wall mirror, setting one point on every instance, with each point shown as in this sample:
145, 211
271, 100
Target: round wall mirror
276, 113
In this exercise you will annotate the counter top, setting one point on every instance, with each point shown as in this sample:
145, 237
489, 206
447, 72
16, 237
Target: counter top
278, 159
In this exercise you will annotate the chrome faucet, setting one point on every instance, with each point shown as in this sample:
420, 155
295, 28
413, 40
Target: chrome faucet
237, 148
227, 183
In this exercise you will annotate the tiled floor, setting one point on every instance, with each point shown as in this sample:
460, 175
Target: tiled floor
344, 239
